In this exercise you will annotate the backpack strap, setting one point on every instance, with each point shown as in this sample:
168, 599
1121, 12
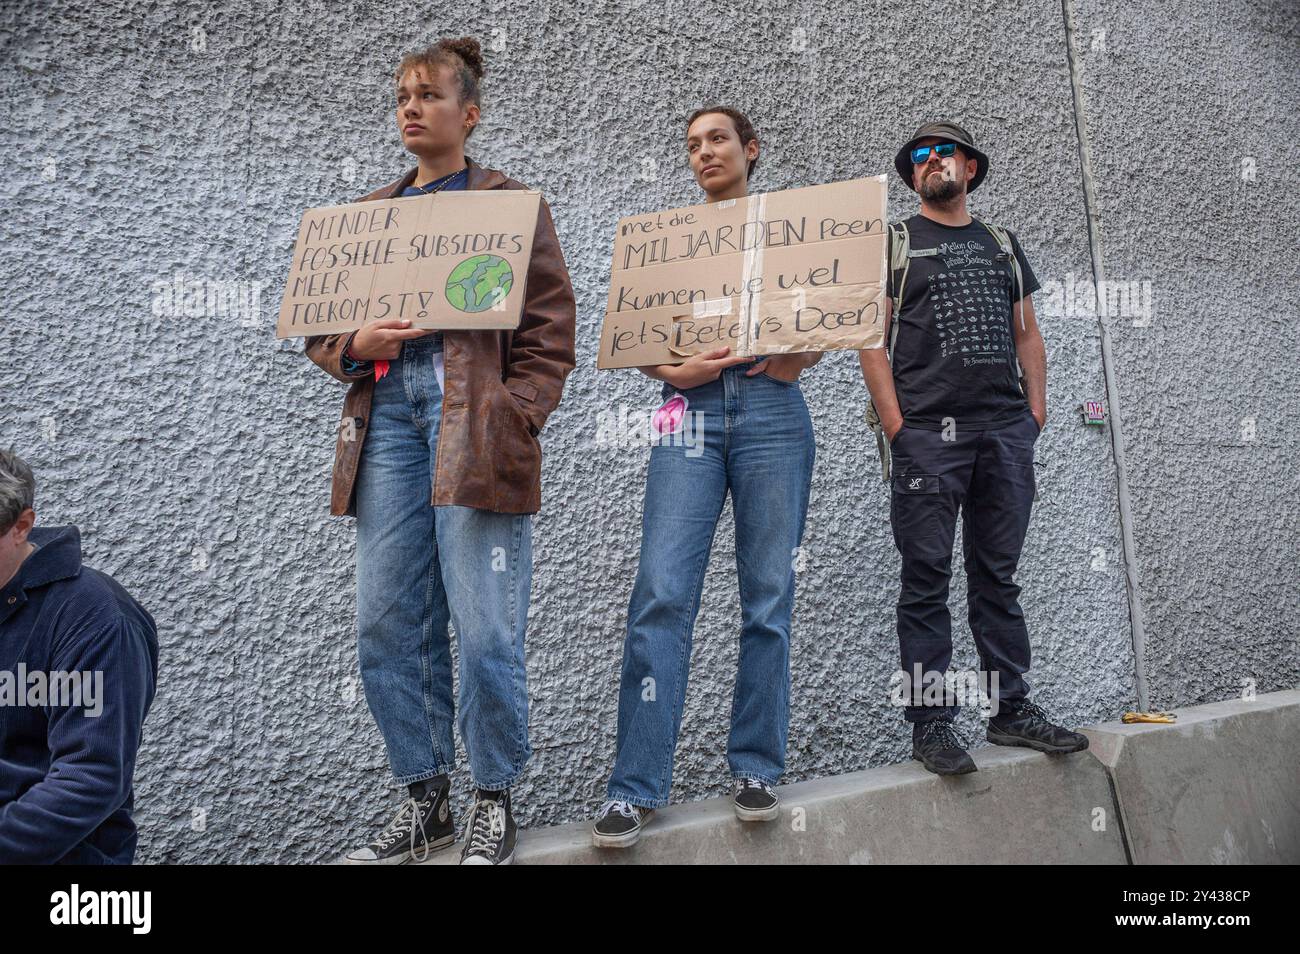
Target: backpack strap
900, 259
1003, 238
900, 247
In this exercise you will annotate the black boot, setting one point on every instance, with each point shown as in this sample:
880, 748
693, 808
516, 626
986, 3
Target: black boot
1027, 725
936, 746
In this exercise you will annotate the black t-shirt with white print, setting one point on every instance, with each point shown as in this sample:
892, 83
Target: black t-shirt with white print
956, 355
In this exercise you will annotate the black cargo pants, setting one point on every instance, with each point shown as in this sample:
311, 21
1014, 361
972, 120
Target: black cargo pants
989, 476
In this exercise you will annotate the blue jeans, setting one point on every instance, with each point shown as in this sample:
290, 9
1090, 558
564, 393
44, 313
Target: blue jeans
758, 446
419, 566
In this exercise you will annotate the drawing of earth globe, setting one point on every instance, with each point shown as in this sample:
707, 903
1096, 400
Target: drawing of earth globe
473, 285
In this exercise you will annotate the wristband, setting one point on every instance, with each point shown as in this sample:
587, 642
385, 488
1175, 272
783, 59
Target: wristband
353, 366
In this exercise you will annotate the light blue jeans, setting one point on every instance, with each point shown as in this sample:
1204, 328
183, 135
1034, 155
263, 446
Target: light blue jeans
419, 566
758, 446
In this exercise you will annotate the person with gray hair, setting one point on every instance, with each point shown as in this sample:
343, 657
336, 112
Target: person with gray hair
78, 666
17, 488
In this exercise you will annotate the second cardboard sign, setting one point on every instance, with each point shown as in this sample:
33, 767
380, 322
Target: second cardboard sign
778, 272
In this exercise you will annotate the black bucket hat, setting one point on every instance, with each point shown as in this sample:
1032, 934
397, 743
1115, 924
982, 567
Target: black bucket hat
951, 132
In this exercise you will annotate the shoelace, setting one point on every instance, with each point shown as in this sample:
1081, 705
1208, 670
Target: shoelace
940, 730
389, 836
486, 827
1032, 711
626, 809
754, 783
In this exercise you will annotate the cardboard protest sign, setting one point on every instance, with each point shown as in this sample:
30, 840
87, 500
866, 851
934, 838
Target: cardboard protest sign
448, 260
779, 272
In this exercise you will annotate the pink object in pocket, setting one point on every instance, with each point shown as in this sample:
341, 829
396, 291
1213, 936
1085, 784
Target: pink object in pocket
668, 419
381, 368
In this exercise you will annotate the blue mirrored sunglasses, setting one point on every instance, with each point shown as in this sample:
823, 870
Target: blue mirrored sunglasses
942, 150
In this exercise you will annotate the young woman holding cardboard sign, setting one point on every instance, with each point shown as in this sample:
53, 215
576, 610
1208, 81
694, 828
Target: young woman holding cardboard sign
757, 445
438, 460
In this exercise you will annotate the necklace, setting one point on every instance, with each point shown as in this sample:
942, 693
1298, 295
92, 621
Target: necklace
439, 184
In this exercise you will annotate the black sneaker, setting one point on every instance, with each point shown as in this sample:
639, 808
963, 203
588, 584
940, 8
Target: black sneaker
420, 826
618, 824
936, 746
490, 831
755, 801
1027, 724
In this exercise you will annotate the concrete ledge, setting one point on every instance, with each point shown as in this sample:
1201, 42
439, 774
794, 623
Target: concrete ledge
1222, 786
1020, 807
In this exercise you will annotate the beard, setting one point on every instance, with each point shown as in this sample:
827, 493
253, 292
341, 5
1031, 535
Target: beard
940, 190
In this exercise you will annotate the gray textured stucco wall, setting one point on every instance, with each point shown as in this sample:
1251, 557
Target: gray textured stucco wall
1180, 110
149, 141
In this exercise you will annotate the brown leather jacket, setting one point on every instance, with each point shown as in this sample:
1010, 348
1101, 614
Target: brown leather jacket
500, 385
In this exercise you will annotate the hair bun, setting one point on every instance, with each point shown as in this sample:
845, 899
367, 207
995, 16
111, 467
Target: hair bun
468, 49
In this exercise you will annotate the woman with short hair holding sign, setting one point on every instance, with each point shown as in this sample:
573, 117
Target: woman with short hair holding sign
757, 446
438, 460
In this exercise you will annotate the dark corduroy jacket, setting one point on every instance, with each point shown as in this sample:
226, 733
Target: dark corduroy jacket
65, 769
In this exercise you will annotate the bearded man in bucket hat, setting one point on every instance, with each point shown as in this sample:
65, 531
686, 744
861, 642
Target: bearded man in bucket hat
961, 396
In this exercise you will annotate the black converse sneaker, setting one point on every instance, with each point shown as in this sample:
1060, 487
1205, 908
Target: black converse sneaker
936, 746
420, 826
1027, 724
618, 824
755, 801
490, 831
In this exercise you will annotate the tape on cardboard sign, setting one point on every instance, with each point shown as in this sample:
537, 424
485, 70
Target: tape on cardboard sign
712, 308
753, 266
